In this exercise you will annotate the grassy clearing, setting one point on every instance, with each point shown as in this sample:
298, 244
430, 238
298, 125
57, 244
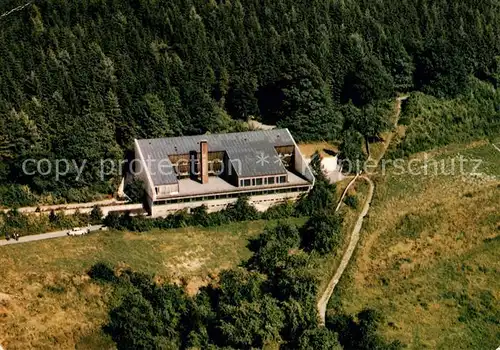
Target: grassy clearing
429, 258
48, 301
308, 149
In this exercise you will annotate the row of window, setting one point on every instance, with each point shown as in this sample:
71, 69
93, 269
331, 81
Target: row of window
224, 205
231, 195
167, 189
263, 181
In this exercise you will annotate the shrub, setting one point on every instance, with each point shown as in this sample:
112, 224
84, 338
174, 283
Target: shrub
135, 325
180, 218
135, 190
200, 216
361, 333
53, 216
351, 153
316, 167
351, 201
294, 280
112, 220
299, 316
138, 224
322, 232
102, 272
272, 247
96, 214
241, 210
79, 218
251, 325
79, 195
64, 220
238, 285
280, 211
218, 218
321, 197
318, 339
16, 196
28, 224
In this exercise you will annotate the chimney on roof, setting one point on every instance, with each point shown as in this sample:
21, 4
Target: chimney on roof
204, 161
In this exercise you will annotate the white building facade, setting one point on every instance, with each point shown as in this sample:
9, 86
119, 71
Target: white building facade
215, 170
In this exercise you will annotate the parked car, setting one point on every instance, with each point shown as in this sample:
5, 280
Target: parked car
79, 231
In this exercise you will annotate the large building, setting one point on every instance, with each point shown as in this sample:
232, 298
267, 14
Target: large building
216, 169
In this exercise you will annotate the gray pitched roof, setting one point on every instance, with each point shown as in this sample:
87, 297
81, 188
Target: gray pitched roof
256, 159
252, 153
162, 172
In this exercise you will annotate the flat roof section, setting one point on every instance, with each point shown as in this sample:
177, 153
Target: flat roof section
189, 187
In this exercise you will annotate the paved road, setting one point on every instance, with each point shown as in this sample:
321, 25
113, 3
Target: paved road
43, 236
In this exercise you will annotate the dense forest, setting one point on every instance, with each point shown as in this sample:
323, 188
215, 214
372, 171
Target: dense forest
81, 79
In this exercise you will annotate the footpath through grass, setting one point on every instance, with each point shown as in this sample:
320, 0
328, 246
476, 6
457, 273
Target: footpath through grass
48, 302
325, 267
429, 258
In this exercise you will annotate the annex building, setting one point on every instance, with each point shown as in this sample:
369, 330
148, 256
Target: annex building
216, 169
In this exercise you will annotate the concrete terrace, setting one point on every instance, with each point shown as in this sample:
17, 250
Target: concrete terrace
190, 187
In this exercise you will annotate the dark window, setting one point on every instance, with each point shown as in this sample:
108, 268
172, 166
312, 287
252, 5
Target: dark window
258, 182
246, 182
253, 182
270, 180
282, 179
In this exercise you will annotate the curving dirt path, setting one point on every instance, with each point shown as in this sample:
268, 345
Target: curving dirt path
323, 301
388, 141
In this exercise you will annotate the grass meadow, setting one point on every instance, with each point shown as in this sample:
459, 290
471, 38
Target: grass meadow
429, 256
48, 302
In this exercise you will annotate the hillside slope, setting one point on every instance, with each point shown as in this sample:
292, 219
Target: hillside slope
429, 255
80, 79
